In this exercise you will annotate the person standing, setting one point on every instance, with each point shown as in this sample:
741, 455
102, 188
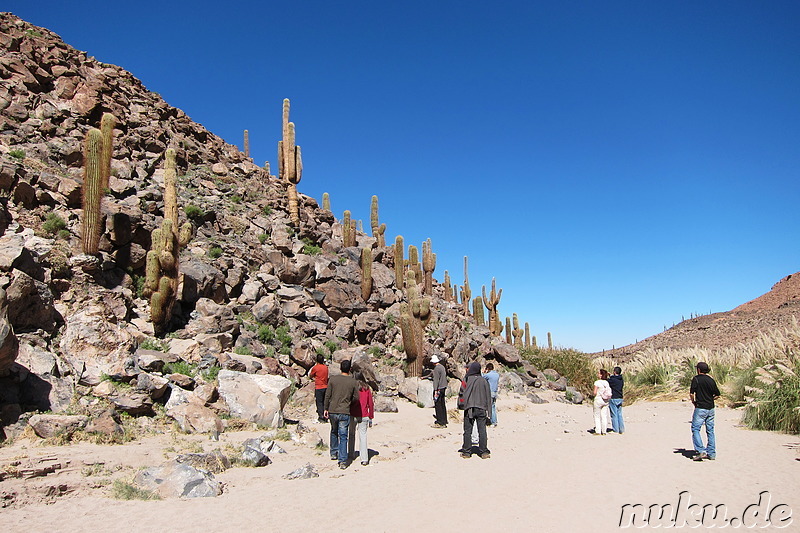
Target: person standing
602, 394
703, 391
493, 378
341, 392
319, 373
439, 390
362, 413
477, 406
615, 404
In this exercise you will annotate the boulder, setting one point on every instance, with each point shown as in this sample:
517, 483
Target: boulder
196, 418
304, 472
46, 426
253, 397
214, 462
384, 404
174, 479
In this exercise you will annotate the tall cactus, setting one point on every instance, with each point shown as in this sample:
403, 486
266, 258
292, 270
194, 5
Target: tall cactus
549, 341
246, 143
348, 230
162, 266
428, 265
508, 331
466, 292
92, 191
413, 262
527, 335
477, 311
399, 266
107, 124
366, 273
326, 201
378, 230
517, 333
448, 289
290, 164
491, 303
414, 316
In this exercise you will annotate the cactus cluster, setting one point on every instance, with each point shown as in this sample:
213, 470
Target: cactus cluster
517, 333
348, 230
414, 316
477, 311
428, 265
161, 269
491, 303
96, 173
290, 164
448, 289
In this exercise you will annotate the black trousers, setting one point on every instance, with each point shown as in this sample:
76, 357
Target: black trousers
474, 415
440, 409
319, 397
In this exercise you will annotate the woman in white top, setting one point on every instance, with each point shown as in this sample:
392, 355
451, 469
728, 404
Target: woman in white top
602, 394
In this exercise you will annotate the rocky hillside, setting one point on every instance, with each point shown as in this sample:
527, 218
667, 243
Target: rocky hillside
258, 295
778, 308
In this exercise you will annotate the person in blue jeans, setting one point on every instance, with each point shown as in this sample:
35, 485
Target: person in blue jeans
615, 404
493, 378
341, 392
703, 391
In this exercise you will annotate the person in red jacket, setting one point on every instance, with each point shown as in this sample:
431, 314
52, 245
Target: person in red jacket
362, 413
319, 373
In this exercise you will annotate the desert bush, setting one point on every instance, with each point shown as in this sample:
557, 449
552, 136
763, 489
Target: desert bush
572, 364
53, 224
125, 491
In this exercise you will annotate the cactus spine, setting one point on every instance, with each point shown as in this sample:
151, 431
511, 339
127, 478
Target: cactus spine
378, 230
428, 265
517, 333
399, 270
466, 293
366, 273
348, 231
326, 201
414, 316
477, 311
107, 124
491, 303
290, 164
92, 190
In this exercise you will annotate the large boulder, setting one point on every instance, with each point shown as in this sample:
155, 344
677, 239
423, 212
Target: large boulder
254, 397
47, 426
179, 480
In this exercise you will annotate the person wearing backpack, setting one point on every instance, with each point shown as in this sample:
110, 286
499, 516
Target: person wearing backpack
602, 395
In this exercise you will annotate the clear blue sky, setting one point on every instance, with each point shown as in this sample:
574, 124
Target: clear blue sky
614, 165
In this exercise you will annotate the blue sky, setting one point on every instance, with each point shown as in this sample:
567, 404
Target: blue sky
614, 165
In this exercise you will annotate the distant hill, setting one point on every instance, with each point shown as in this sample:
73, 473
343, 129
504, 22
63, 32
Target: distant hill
775, 309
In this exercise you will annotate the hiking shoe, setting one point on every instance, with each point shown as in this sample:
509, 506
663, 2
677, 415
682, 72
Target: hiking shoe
334, 458
465, 455
486, 455
364, 463
342, 466
710, 457
439, 426
699, 457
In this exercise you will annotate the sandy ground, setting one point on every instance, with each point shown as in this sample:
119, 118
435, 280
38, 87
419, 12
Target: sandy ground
546, 473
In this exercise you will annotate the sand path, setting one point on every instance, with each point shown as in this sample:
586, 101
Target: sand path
547, 473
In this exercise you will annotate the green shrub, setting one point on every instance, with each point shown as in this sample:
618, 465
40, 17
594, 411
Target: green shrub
776, 405
193, 212
215, 252
242, 350
236, 199
265, 333
17, 154
54, 224
63, 234
154, 344
180, 367
572, 364
312, 249
267, 210
211, 373
125, 491
262, 237
655, 373
332, 346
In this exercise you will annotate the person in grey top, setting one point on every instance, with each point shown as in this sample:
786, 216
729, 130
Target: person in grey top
477, 407
439, 390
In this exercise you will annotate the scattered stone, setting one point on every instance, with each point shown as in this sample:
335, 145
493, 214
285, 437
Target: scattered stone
174, 479
304, 472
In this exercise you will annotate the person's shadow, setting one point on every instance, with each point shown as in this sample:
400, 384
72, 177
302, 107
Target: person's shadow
689, 454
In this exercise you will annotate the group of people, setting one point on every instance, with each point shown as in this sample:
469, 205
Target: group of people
702, 393
346, 402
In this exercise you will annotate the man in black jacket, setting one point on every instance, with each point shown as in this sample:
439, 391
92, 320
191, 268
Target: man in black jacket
477, 407
615, 404
703, 391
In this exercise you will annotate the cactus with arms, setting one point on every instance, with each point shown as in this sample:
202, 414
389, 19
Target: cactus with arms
491, 303
378, 230
290, 164
414, 316
428, 265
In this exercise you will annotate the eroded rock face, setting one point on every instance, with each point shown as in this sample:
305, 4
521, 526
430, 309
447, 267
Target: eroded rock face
9, 345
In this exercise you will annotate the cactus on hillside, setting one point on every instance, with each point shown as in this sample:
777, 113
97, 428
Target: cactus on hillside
378, 230
414, 316
448, 289
533, 342
107, 124
527, 335
290, 164
466, 292
162, 266
477, 311
326, 201
92, 191
348, 230
549, 341
428, 265
246, 143
413, 262
399, 265
366, 273
517, 333
508, 331
491, 303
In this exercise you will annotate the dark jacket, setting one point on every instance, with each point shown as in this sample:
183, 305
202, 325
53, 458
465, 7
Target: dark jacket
478, 393
616, 383
341, 392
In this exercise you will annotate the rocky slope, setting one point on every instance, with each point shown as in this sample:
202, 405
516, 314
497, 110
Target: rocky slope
258, 296
778, 308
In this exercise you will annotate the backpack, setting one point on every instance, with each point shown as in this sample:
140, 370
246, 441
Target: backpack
461, 391
605, 394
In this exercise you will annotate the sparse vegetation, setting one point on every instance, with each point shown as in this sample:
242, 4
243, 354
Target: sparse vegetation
572, 364
122, 490
180, 367
215, 252
154, 344
54, 224
193, 212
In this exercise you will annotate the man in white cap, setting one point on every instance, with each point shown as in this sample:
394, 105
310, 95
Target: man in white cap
439, 389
